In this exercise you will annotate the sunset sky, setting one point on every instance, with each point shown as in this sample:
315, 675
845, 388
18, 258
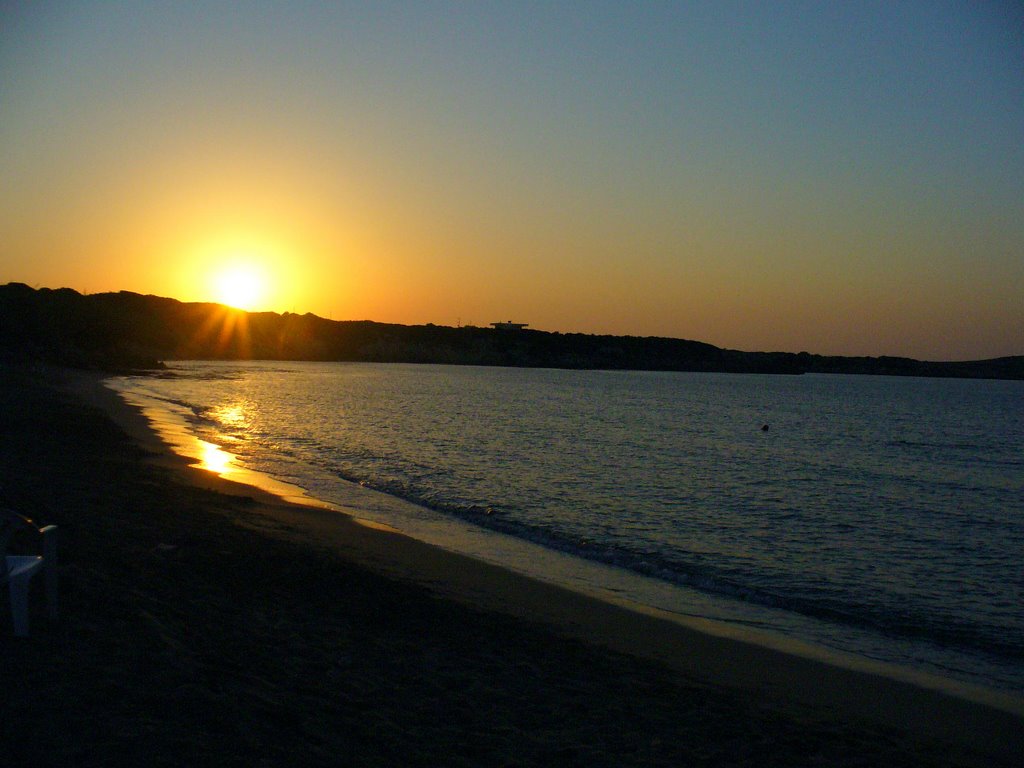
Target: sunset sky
841, 178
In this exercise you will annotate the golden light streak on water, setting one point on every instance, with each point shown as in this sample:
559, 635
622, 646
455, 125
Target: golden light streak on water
214, 459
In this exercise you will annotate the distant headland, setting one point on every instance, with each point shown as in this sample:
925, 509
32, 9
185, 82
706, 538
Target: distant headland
128, 331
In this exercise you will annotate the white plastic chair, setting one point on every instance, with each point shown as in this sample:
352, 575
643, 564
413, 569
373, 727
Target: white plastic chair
18, 570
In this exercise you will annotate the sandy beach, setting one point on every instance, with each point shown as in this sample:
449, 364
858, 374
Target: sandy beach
206, 622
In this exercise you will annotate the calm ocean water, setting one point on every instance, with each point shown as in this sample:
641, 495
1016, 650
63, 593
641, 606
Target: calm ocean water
879, 517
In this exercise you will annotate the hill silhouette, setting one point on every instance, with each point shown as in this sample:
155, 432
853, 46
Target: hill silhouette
130, 331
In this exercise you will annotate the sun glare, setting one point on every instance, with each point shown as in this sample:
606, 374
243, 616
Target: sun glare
240, 286
214, 459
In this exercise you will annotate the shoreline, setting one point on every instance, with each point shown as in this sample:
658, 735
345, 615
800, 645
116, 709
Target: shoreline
790, 682
173, 436
579, 575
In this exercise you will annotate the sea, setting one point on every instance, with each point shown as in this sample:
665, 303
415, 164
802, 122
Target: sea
877, 521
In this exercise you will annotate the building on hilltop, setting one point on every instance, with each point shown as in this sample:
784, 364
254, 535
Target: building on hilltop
509, 326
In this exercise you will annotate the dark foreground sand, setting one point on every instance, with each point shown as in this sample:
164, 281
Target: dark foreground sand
208, 624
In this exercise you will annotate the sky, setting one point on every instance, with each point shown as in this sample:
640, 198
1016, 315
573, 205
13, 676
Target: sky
831, 177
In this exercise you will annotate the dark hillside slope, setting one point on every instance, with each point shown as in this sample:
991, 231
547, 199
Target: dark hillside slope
129, 330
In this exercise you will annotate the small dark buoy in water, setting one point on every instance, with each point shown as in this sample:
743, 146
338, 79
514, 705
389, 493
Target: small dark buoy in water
764, 428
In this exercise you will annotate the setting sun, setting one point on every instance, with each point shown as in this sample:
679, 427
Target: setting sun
240, 286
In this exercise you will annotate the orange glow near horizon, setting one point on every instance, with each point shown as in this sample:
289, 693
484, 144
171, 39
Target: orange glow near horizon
242, 286
248, 269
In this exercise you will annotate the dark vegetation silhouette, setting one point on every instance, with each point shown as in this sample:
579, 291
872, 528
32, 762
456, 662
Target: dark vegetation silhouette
120, 331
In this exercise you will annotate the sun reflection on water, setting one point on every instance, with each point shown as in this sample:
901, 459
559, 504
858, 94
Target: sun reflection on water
214, 459
233, 415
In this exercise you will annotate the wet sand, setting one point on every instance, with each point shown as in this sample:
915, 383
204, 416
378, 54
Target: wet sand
204, 622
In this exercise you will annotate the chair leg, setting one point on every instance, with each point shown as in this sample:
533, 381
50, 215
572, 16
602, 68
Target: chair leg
19, 603
50, 569
50, 580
